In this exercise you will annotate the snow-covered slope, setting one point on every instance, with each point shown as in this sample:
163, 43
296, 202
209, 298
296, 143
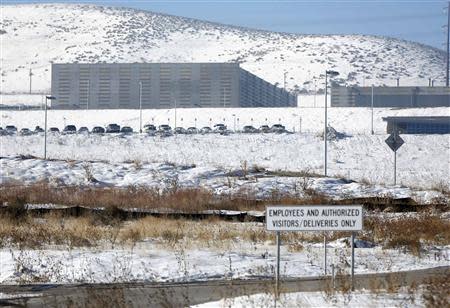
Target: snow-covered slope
34, 35
423, 161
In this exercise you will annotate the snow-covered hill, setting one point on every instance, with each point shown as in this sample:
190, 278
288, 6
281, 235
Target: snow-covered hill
34, 35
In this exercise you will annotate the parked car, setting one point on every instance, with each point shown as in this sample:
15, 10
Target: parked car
277, 128
219, 128
149, 128
70, 129
165, 128
248, 129
38, 129
11, 129
192, 130
54, 130
25, 132
83, 130
2, 131
180, 130
112, 128
98, 130
264, 129
205, 130
126, 130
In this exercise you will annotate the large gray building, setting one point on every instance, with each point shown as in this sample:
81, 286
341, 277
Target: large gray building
162, 85
402, 97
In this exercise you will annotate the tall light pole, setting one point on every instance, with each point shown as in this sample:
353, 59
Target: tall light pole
175, 114
372, 111
325, 131
47, 97
315, 91
30, 74
88, 93
224, 97
448, 45
284, 84
140, 107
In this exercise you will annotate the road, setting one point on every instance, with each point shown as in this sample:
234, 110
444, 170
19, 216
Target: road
185, 294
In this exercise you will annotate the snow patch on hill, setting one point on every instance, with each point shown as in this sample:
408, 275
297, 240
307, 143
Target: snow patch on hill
36, 35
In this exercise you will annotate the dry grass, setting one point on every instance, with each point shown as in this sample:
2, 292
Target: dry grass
186, 199
52, 230
410, 233
89, 231
436, 292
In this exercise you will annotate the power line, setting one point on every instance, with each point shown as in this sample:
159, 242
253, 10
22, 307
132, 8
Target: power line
448, 45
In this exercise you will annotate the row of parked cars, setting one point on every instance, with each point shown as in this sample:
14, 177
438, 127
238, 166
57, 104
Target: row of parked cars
164, 130
218, 128
69, 129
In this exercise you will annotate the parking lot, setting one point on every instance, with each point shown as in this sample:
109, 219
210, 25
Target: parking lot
149, 129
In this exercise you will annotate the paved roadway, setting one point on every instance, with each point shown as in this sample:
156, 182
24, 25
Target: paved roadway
185, 294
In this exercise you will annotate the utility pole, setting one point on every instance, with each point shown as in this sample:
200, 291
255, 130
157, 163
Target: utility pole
224, 97
30, 74
325, 130
315, 91
140, 107
284, 84
175, 114
371, 105
448, 45
88, 93
47, 97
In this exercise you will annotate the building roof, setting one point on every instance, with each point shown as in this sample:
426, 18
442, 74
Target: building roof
428, 119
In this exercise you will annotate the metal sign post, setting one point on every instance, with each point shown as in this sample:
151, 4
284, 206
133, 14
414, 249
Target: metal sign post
325, 253
313, 218
353, 261
394, 141
395, 167
277, 273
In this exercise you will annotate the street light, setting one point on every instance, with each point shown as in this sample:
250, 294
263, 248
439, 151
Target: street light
88, 94
47, 97
332, 74
140, 107
371, 107
175, 123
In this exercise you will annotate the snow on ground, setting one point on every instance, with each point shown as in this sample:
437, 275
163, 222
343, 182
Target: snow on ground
148, 261
22, 100
358, 156
218, 180
356, 299
344, 119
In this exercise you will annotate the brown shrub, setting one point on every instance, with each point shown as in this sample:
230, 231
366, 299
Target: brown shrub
408, 232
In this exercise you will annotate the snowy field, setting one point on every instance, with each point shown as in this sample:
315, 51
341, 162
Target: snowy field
356, 299
118, 160
148, 261
21, 100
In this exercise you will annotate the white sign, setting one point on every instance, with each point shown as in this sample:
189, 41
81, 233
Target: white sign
314, 218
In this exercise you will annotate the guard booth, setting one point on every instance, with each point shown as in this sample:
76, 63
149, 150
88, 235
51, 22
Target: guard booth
418, 125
